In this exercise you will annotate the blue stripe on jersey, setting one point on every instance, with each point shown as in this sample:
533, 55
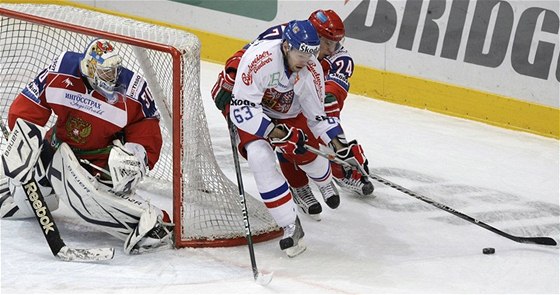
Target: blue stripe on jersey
275, 192
338, 79
262, 129
70, 64
124, 78
30, 95
281, 158
334, 132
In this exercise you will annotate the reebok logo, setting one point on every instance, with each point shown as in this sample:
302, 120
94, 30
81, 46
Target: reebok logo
40, 209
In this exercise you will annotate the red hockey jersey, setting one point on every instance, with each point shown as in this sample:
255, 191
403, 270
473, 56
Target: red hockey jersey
86, 120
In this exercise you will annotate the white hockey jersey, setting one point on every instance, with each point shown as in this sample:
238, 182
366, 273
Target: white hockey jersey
265, 89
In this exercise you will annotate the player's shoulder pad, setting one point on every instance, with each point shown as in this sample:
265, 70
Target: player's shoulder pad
341, 55
272, 33
131, 83
67, 63
262, 56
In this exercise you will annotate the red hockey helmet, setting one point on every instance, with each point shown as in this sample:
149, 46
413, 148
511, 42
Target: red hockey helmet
328, 24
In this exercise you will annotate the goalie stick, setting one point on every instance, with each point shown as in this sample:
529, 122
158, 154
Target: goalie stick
526, 240
260, 278
49, 228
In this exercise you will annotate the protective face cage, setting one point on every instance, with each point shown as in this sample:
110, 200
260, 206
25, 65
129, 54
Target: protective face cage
102, 66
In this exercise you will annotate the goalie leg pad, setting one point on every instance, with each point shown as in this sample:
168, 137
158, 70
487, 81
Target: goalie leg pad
13, 199
23, 150
91, 200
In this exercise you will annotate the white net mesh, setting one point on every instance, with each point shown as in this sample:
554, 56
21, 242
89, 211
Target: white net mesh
209, 204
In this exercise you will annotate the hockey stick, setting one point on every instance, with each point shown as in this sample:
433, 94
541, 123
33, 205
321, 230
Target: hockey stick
260, 278
526, 240
50, 230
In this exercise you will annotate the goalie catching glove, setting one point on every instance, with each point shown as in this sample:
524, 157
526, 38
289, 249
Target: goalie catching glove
353, 154
127, 164
292, 143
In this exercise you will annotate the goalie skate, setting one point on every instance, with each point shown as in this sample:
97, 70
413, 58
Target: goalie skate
304, 198
356, 183
291, 241
159, 238
150, 235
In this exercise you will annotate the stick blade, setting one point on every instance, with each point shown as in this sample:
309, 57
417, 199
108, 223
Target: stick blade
539, 241
85, 255
263, 279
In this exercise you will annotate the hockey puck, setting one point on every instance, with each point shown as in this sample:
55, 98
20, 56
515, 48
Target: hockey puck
488, 251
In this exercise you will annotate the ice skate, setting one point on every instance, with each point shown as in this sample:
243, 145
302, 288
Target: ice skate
330, 195
291, 241
304, 198
356, 183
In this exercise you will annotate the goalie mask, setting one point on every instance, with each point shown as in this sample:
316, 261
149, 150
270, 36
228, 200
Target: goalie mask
101, 65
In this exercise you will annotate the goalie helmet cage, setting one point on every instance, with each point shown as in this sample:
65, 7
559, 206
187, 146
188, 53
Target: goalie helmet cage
206, 207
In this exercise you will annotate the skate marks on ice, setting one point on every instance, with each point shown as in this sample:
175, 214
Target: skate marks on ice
524, 217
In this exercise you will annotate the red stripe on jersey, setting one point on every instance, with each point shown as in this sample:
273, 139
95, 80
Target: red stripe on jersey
279, 202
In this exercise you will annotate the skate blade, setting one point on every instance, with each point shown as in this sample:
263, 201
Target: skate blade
295, 250
316, 217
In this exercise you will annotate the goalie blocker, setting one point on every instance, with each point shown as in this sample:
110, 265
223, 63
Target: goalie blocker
126, 216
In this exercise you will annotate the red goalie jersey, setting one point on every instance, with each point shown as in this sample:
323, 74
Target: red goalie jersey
86, 120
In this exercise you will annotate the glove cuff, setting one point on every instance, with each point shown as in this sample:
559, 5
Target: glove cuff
229, 81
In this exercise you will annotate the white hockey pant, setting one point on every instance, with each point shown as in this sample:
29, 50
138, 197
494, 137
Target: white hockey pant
272, 186
318, 170
91, 200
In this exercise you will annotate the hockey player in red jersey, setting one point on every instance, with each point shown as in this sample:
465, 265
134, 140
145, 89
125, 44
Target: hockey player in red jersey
338, 67
105, 138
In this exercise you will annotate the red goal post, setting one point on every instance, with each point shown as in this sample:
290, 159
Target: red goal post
206, 208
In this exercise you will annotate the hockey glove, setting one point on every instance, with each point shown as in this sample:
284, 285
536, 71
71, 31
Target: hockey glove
127, 164
221, 93
291, 144
353, 154
331, 106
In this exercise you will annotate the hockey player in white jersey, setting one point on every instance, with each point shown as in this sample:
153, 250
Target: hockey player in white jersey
277, 105
338, 67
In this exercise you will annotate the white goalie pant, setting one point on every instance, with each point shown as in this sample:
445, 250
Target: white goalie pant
91, 200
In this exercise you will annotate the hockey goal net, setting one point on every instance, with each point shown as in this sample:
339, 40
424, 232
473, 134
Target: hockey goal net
206, 205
